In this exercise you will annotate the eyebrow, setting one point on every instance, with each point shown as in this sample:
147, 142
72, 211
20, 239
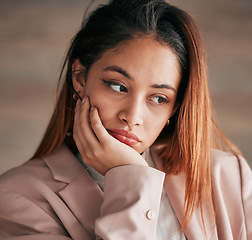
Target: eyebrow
122, 71
166, 86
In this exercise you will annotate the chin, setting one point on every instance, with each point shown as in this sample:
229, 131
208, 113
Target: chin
140, 150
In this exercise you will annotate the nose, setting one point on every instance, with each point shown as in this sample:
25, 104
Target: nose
132, 113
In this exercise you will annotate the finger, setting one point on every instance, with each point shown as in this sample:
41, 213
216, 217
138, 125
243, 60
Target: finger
97, 126
80, 126
78, 110
83, 112
77, 118
83, 128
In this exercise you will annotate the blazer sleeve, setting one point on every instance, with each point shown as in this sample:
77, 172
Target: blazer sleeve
131, 203
17, 221
246, 191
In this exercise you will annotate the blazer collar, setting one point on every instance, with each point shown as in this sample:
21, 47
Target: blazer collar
175, 188
82, 195
63, 164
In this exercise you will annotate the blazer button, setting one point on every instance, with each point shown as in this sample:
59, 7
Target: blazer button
151, 214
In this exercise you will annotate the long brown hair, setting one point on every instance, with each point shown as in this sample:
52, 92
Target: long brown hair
192, 131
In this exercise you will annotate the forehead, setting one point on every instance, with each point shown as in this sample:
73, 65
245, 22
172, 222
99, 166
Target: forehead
145, 47
142, 58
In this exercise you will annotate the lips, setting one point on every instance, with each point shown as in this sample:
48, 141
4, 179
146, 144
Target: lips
124, 136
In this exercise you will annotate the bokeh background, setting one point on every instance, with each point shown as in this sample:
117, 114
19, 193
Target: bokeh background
34, 35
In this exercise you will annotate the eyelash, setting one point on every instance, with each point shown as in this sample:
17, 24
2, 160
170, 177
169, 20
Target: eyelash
111, 84
164, 100
116, 84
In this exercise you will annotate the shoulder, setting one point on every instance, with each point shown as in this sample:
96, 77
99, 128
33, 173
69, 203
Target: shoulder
232, 190
26, 194
228, 164
31, 180
24, 174
43, 176
231, 175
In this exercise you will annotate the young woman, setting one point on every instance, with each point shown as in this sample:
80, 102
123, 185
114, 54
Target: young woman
132, 150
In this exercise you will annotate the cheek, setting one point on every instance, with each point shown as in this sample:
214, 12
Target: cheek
158, 126
105, 108
155, 123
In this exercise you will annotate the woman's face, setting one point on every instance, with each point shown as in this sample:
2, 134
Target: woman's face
134, 87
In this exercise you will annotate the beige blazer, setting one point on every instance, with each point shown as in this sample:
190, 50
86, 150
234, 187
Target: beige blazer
55, 198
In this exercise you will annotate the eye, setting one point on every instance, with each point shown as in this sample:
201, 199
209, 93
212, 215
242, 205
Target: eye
117, 87
159, 99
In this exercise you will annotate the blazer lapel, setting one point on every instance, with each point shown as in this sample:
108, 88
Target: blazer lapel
81, 195
84, 197
175, 188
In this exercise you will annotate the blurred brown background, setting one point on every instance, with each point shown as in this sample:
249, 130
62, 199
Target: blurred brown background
34, 35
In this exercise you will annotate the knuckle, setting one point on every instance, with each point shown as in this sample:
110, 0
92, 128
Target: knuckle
95, 124
82, 126
98, 154
89, 154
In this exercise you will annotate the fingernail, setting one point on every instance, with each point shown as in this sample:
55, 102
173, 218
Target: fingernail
92, 108
84, 99
78, 102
